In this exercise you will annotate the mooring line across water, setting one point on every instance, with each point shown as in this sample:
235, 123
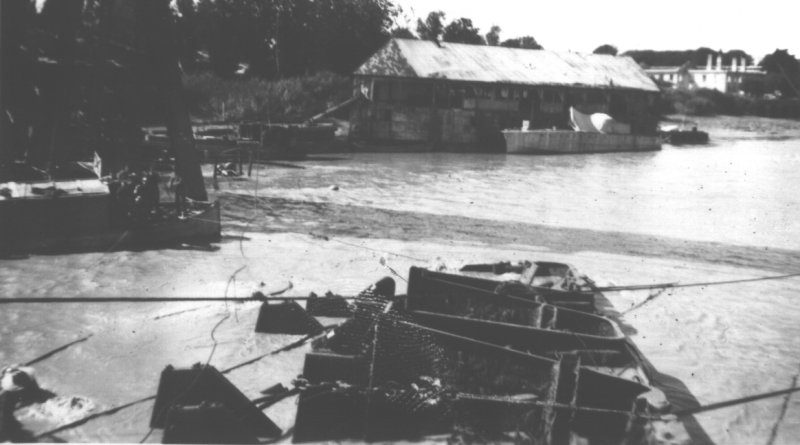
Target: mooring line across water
649, 298
194, 381
257, 296
24, 300
327, 238
52, 352
116, 409
680, 413
664, 286
90, 417
784, 407
734, 402
700, 284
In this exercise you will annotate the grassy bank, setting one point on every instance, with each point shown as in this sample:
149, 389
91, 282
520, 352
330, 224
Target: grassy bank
706, 102
213, 99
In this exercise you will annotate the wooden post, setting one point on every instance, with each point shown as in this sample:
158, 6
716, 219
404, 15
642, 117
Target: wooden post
214, 162
6, 153
636, 429
563, 391
435, 127
61, 78
156, 36
250, 167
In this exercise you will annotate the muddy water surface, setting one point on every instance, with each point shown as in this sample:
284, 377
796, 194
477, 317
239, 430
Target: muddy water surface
726, 211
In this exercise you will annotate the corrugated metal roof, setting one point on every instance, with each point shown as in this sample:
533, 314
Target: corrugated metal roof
495, 64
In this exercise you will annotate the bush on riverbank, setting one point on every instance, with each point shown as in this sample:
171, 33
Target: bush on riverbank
214, 99
706, 102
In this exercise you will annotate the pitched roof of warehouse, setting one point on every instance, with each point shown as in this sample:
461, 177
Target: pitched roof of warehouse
479, 63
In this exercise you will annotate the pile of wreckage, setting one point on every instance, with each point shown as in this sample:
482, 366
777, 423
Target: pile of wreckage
459, 358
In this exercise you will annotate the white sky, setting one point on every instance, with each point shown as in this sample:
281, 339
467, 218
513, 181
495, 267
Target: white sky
757, 27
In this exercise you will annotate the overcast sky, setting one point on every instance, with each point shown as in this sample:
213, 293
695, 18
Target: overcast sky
758, 27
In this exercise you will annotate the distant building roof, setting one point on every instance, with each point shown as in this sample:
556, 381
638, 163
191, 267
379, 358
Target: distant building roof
479, 63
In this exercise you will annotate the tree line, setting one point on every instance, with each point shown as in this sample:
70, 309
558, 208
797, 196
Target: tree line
285, 38
74, 66
280, 38
782, 68
695, 57
80, 76
461, 30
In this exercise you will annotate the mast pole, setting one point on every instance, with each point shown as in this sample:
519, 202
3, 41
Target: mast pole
156, 33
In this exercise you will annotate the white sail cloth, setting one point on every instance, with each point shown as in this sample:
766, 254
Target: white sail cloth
596, 123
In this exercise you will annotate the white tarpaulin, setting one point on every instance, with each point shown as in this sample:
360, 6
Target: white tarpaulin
596, 123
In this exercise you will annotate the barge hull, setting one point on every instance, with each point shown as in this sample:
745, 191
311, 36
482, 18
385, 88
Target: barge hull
83, 223
573, 142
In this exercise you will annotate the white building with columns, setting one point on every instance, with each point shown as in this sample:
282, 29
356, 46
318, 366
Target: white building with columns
715, 75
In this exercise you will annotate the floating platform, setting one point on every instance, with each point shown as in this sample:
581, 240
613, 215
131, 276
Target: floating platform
685, 137
79, 215
574, 142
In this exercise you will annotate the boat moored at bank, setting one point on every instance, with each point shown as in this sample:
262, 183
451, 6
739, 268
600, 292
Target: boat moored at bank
596, 133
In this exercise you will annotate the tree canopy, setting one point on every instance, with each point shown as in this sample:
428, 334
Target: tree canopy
279, 38
493, 36
433, 26
402, 33
86, 74
696, 57
783, 72
606, 49
462, 31
526, 42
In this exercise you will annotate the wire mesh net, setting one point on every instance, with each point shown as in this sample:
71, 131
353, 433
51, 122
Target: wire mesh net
420, 382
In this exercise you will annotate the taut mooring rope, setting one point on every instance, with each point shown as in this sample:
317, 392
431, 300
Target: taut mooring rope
678, 285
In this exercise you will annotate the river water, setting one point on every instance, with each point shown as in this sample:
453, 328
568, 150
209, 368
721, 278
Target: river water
339, 222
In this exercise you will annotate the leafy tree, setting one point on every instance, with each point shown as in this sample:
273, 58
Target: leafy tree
493, 36
347, 31
697, 57
221, 24
280, 38
17, 75
526, 42
187, 33
402, 33
462, 31
433, 26
606, 49
738, 54
783, 72
779, 62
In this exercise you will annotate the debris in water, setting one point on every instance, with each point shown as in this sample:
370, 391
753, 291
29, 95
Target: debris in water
19, 382
59, 409
18, 378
